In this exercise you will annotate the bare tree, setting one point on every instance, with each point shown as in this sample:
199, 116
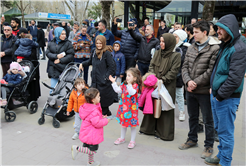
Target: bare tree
106, 11
208, 10
22, 8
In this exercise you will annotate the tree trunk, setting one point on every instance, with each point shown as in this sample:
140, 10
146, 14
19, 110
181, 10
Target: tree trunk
84, 14
22, 14
75, 11
106, 11
208, 10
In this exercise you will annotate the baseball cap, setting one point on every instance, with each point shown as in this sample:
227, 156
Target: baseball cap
134, 20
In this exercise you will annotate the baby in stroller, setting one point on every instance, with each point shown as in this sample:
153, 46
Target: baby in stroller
14, 77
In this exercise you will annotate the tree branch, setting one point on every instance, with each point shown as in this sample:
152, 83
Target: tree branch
25, 7
69, 7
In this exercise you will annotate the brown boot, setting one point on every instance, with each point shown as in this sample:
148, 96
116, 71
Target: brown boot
207, 152
212, 161
188, 144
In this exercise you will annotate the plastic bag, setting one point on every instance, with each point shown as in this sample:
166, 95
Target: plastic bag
166, 100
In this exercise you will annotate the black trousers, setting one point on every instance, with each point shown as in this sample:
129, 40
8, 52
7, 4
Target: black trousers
106, 111
194, 101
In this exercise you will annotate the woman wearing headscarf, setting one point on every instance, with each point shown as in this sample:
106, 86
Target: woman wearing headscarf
165, 65
34, 85
103, 65
60, 52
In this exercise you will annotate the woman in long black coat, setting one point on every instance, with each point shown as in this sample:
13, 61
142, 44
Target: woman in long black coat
57, 61
103, 65
34, 85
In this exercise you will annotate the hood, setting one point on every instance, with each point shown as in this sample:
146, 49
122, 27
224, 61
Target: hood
25, 41
87, 109
88, 23
150, 80
230, 24
213, 40
118, 42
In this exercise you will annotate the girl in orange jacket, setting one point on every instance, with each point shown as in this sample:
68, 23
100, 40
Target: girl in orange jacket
77, 99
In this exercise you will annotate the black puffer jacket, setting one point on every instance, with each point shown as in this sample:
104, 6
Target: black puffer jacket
129, 46
53, 50
144, 54
182, 50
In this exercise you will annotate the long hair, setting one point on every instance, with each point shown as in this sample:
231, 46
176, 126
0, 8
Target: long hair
136, 73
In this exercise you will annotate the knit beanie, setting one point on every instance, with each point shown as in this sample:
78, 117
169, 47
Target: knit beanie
15, 65
182, 36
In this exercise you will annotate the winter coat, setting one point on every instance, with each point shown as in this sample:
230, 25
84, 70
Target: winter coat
53, 50
144, 54
33, 31
101, 69
93, 31
109, 38
67, 29
227, 79
75, 101
161, 31
25, 46
13, 78
91, 130
72, 35
41, 38
129, 46
85, 50
7, 45
145, 99
198, 65
182, 50
119, 60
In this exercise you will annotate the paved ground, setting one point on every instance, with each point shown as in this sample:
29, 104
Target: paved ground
24, 142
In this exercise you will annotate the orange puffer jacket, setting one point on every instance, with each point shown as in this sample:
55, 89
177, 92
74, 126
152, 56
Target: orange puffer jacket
75, 101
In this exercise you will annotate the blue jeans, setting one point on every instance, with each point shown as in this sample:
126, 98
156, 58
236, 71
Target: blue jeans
53, 82
143, 67
180, 98
86, 68
194, 102
224, 114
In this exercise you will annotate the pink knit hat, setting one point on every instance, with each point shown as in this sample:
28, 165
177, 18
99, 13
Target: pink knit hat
15, 65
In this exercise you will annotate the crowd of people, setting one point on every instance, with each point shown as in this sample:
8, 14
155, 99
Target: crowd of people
201, 64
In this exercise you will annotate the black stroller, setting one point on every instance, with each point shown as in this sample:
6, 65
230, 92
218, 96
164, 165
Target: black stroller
18, 97
56, 105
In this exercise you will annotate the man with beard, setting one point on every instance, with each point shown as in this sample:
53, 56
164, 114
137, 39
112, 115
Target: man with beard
32, 29
147, 43
102, 30
15, 22
94, 30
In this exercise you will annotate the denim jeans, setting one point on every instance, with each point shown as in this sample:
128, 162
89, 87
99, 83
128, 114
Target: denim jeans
53, 82
86, 68
194, 101
180, 98
224, 113
143, 67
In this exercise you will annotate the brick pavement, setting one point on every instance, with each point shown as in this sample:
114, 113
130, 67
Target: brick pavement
24, 142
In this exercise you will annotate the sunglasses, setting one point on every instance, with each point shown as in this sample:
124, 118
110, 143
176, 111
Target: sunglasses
7, 29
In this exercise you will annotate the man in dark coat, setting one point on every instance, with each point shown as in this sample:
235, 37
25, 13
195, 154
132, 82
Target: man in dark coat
7, 43
129, 46
33, 30
41, 41
147, 43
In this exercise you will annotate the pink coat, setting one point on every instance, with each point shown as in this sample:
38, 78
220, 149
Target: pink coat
145, 98
91, 130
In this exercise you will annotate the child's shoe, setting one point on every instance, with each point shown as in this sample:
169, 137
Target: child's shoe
74, 151
119, 141
3, 102
75, 136
95, 163
131, 145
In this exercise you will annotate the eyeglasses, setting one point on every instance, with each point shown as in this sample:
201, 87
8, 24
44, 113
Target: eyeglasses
7, 29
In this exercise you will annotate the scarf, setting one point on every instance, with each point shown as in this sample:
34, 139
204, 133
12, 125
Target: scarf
104, 46
58, 32
162, 57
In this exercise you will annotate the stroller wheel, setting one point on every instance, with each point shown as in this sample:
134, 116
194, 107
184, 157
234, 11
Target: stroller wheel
33, 107
56, 123
10, 116
41, 121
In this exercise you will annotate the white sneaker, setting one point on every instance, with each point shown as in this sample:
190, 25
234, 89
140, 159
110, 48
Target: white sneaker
74, 151
75, 136
95, 163
181, 116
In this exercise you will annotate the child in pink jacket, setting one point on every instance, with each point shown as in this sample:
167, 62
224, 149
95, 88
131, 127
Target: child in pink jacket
145, 99
91, 130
